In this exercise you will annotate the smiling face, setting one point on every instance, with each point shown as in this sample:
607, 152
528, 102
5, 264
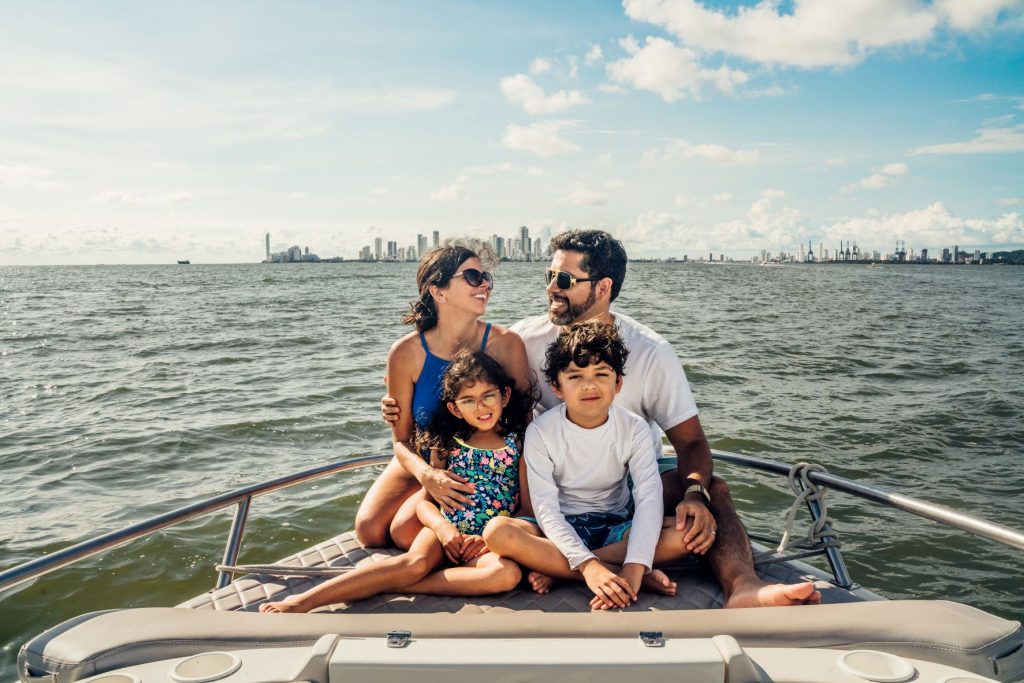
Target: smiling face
461, 294
588, 392
566, 306
480, 404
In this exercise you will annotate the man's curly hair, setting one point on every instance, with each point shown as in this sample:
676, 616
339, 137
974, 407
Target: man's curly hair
583, 344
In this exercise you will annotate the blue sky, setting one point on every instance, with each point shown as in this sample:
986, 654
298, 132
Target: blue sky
142, 133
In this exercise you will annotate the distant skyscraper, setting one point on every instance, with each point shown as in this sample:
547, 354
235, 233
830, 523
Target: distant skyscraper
268, 247
524, 242
499, 247
378, 248
437, 239
421, 245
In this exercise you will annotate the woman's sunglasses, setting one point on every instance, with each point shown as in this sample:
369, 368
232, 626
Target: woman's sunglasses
564, 280
475, 278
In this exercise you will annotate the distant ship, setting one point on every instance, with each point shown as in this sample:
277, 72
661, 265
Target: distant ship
184, 263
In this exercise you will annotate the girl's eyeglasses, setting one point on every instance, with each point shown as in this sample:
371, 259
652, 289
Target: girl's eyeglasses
475, 278
564, 280
488, 400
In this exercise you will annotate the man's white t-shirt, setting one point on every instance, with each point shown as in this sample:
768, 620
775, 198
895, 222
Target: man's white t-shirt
654, 386
572, 471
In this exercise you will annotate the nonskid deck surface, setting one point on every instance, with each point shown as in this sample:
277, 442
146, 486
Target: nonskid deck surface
697, 589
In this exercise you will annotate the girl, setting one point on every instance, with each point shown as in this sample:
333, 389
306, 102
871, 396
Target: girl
477, 433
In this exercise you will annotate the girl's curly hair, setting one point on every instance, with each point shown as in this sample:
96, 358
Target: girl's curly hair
469, 367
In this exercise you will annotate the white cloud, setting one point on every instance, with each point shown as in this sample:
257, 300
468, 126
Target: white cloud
931, 227
268, 168
723, 198
677, 149
813, 33
686, 202
522, 90
448, 194
884, 176
541, 139
670, 71
594, 55
540, 66
1009, 201
574, 66
27, 178
987, 141
297, 195
583, 196
614, 184
612, 89
120, 198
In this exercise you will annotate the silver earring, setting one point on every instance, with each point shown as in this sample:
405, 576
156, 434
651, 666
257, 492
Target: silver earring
443, 300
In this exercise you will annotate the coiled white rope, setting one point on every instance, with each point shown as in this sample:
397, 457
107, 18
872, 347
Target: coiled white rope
821, 534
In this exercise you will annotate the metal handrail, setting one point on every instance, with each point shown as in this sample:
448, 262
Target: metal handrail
242, 497
936, 513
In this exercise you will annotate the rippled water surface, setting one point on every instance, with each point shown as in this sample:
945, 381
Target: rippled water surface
129, 391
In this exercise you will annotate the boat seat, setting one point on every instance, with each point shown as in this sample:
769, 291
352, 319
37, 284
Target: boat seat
942, 632
697, 588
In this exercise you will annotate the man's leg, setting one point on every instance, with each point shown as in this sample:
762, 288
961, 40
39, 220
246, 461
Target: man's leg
731, 559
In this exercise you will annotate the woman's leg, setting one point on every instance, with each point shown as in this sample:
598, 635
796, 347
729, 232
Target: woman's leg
405, 524
391, 574
484, 575
381, 502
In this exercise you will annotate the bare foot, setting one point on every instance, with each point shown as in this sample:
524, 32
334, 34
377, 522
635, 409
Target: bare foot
289, 604
761, 594
657, 581
540, 583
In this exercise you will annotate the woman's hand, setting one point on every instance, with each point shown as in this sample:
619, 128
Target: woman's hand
389, 410
448, 489
472, 548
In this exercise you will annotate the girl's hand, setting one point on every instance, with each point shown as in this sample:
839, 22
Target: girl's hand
472, 548
448, 489
451, 540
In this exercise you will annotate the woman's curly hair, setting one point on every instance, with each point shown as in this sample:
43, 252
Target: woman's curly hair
583, 344
469, 367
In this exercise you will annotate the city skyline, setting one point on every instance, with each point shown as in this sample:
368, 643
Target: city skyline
693, 126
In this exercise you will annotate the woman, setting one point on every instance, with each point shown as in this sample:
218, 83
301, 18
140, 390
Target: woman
453, 292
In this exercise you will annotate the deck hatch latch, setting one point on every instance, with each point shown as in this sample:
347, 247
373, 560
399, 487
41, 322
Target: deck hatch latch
399, 638
652, 638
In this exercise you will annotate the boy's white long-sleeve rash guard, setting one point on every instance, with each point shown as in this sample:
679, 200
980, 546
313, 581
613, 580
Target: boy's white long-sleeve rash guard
572, 470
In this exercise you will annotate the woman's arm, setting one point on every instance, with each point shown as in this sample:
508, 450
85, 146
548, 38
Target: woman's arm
445, 487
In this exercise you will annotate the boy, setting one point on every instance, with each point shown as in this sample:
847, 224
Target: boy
577, 456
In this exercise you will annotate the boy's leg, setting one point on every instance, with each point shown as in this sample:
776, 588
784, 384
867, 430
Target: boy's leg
484, 575
393, 573
669, 549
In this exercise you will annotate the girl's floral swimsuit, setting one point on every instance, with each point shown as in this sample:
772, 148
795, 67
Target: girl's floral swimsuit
495, 473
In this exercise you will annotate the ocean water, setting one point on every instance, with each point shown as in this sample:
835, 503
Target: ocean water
126, 391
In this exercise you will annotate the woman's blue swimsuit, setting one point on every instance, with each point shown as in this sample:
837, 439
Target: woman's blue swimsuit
426, 395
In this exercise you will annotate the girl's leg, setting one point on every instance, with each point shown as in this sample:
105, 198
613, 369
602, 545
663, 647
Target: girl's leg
406, 523
484, 575
391, 574
381, 503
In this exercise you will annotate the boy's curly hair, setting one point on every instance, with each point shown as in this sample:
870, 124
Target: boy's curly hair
469, 367
584, 343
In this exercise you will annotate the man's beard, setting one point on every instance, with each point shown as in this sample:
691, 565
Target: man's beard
572, 311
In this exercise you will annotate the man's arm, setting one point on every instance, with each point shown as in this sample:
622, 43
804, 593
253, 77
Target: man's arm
694, 463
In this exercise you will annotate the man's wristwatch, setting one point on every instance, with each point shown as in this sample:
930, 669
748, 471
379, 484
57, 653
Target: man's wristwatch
698, 488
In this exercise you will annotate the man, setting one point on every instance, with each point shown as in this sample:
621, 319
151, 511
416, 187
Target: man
587, 271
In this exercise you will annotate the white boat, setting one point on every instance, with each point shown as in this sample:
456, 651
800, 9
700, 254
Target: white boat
854, 636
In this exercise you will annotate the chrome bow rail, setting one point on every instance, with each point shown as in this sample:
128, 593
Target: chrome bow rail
243, 498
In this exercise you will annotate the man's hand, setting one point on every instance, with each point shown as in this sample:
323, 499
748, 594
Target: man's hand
472, 548
694, 517
448, 489
389, 410
610, 589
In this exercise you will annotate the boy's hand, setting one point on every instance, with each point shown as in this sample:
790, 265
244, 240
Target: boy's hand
451, 540
633, 574
472, 547
389, 410
700, 535
610, 589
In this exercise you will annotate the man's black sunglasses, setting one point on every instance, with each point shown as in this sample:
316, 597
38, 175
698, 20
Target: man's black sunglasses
475, 278
564, 280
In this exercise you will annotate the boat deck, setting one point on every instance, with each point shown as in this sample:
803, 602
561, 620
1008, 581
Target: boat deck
697, 589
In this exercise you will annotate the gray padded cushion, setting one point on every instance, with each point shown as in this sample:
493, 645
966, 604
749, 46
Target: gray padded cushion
943, 632
697, 588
